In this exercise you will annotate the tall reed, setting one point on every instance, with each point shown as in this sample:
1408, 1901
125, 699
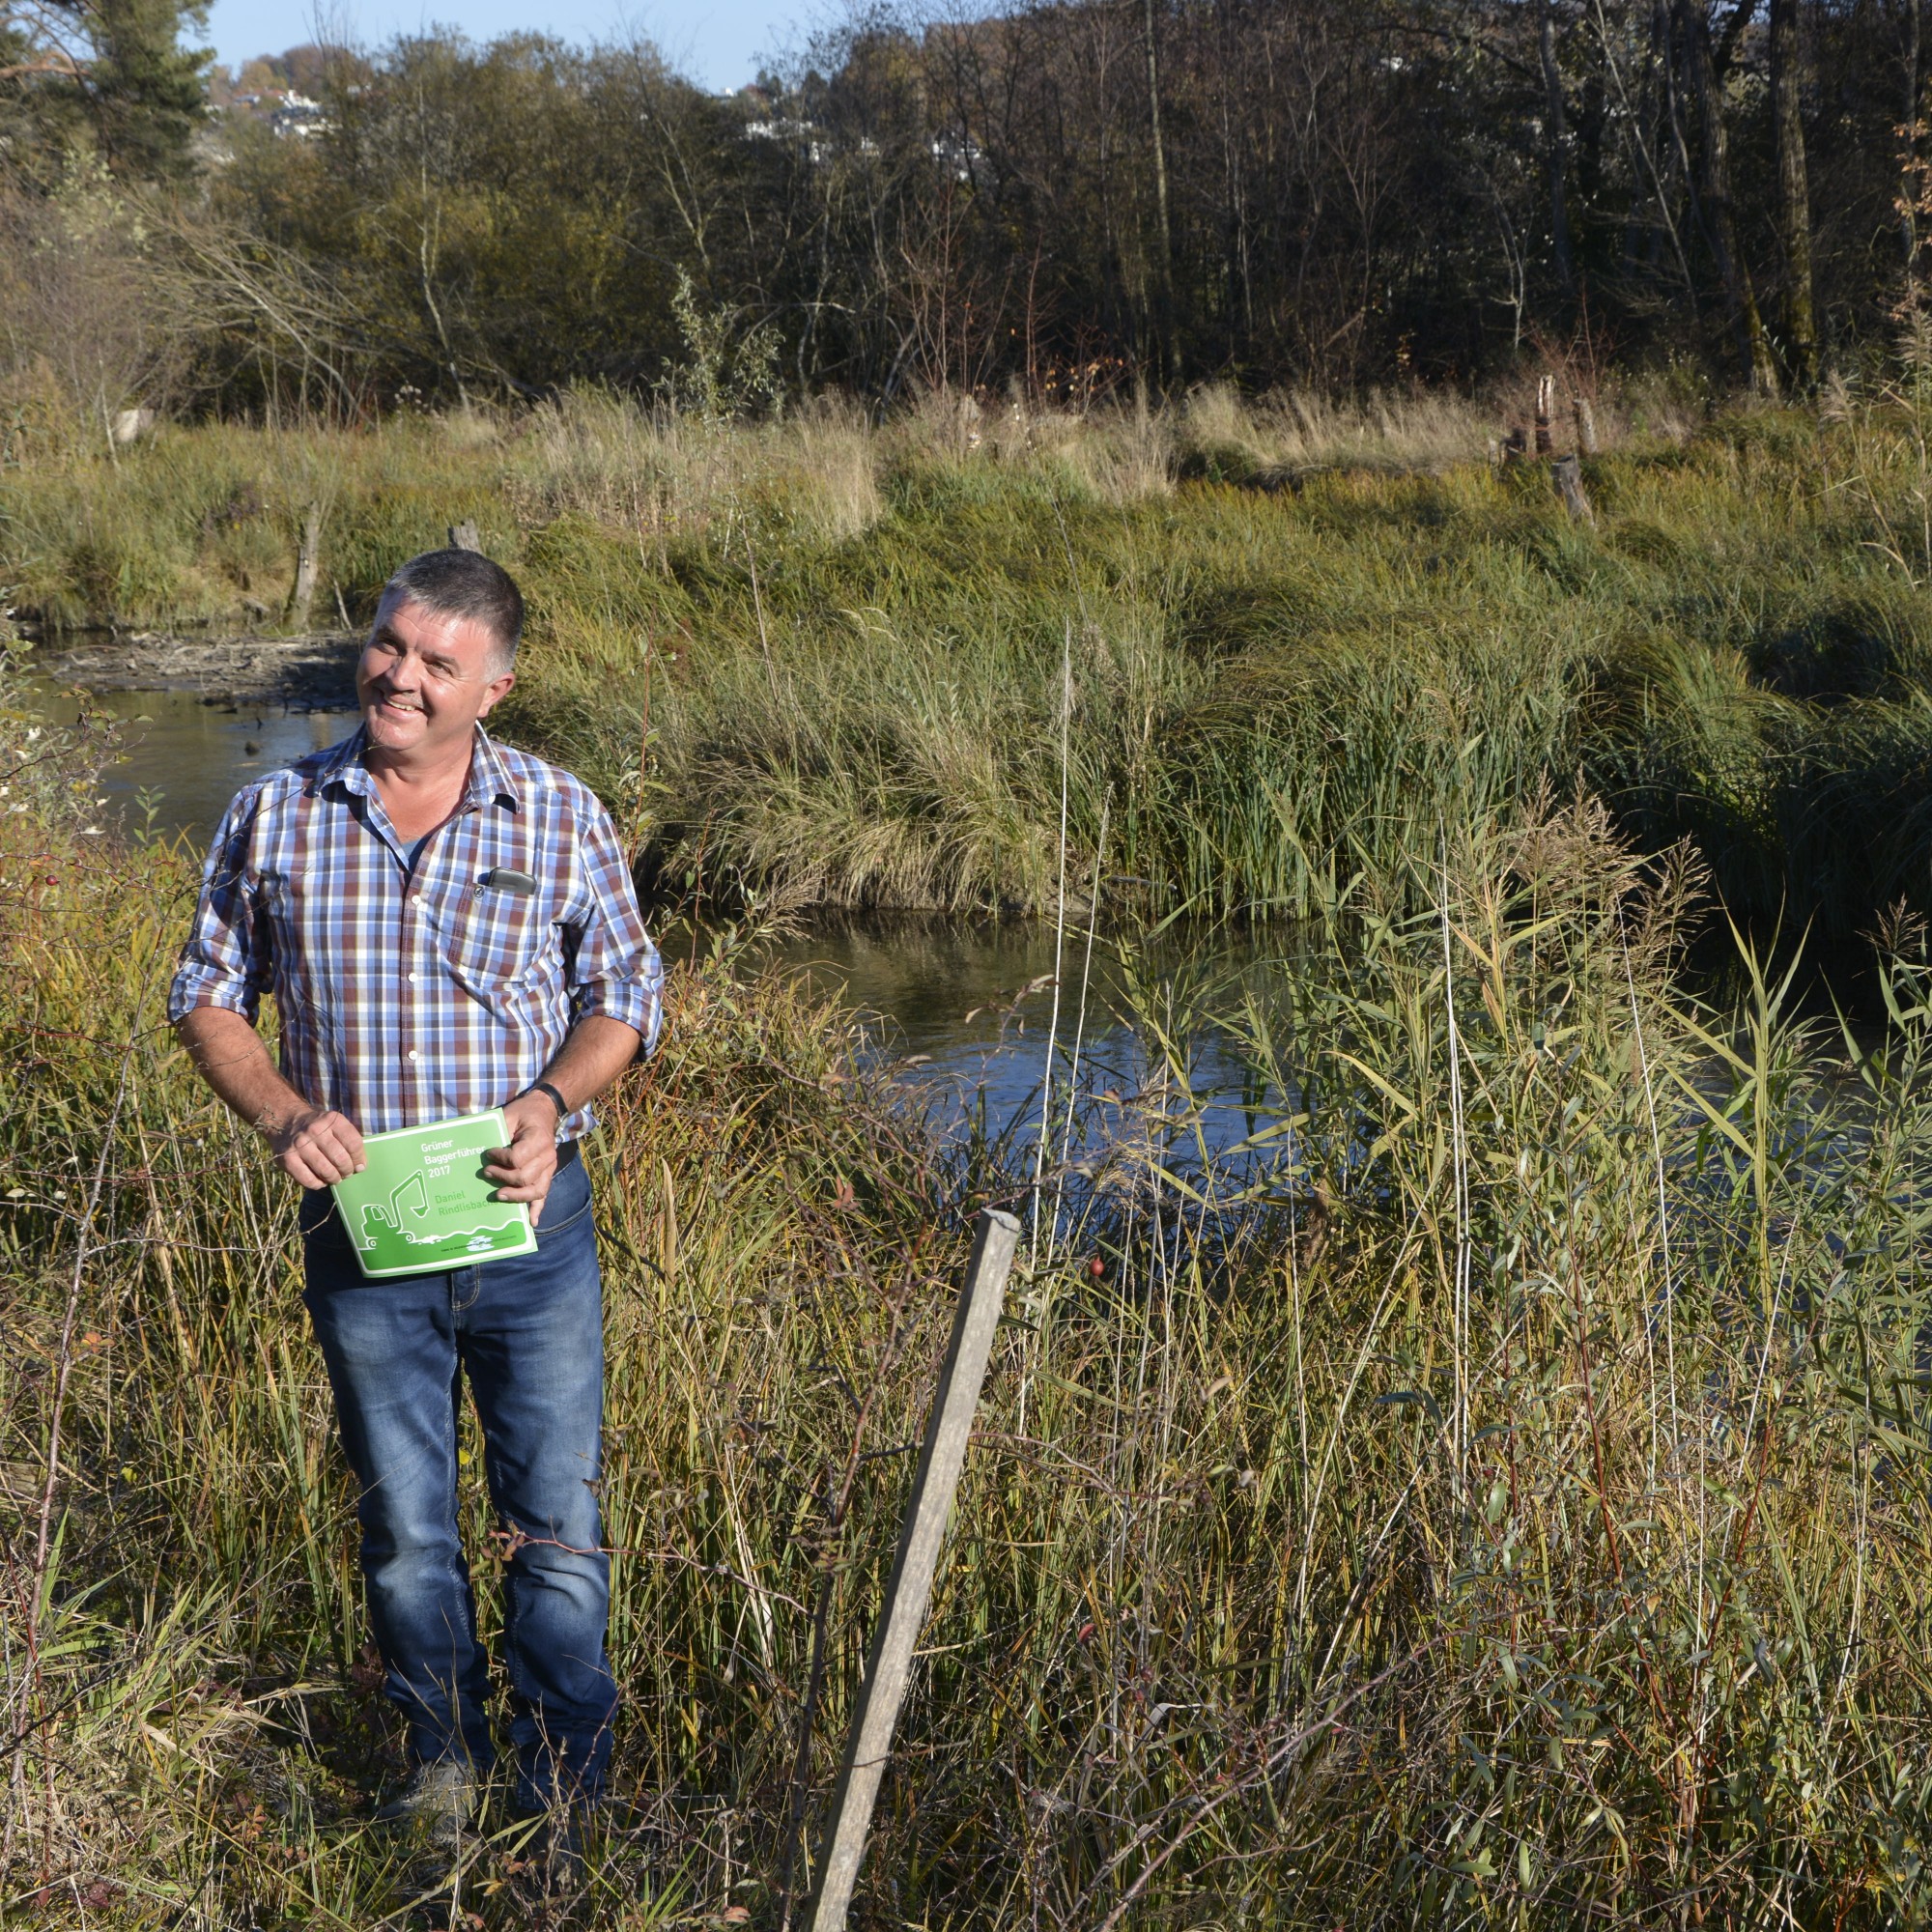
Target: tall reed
1494, 1492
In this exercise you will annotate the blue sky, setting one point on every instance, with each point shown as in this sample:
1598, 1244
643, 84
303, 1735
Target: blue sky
717, 42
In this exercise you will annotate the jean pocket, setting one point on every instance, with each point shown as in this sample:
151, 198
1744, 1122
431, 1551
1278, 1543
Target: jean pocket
328, 1261
569, 1198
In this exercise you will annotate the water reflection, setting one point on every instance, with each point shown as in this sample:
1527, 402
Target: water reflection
187, 755
965, 1016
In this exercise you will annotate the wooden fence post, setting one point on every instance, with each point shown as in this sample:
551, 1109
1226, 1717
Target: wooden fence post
888, 1665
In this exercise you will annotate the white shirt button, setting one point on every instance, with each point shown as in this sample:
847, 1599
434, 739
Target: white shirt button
413, 978
411, 1053
415, 899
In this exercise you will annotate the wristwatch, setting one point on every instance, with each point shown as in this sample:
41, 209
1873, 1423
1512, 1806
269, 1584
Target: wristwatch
551, 1095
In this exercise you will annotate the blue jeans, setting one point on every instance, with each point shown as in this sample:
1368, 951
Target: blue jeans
528, 1333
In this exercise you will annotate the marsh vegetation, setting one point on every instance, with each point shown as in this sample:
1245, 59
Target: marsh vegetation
1494, 1492
817, 662
1487, 1484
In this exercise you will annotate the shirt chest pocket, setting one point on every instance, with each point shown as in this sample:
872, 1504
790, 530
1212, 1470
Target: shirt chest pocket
497, 936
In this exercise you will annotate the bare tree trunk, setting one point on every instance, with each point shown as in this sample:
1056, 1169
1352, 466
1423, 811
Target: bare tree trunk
1719, 209
309, 561
1555, 146
429, 234
1163, 277
1241, 307
1639, 116
1787, 102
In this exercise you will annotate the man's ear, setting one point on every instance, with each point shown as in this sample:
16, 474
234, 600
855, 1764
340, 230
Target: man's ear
494, 692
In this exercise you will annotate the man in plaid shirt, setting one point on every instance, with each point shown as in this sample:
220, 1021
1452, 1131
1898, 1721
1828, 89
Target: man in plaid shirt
446, 926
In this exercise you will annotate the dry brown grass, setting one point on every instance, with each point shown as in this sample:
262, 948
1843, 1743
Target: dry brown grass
673, 480
1494, 1497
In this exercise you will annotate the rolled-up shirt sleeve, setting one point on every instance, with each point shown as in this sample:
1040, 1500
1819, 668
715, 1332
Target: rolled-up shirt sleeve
615, 969
227, 960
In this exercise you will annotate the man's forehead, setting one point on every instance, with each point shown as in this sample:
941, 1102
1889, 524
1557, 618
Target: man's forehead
416, 623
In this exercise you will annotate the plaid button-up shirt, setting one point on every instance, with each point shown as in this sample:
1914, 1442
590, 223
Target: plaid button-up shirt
414, 989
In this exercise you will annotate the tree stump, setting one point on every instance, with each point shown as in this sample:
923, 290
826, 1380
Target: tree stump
1546, 391
1586, 427
462, 536
1567, 474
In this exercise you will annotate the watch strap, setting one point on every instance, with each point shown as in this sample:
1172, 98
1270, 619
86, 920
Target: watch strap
551, 1095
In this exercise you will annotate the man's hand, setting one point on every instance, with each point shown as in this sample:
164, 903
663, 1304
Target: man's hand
524, 1170
310, 1144
598, 1049
316, 1148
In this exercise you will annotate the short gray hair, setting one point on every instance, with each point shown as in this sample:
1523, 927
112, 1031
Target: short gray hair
466, 584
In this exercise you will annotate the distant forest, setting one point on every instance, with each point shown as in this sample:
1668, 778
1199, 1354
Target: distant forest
1072, 197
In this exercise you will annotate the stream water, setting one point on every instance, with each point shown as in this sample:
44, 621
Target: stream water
186, 755
967, 1015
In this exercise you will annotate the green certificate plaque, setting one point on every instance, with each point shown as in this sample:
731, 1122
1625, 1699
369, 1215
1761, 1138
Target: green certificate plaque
423, 1204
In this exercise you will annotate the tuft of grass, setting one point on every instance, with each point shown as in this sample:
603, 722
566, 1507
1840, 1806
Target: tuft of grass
1280, 440
675, 481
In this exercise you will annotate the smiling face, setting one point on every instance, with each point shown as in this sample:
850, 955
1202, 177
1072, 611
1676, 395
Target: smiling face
423, 681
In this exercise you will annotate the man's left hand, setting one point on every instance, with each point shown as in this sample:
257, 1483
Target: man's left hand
524, 1170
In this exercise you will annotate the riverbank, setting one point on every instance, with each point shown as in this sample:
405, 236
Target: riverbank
313, 672
819, 664
1494, 1492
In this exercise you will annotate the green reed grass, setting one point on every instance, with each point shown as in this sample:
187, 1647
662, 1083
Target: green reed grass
817, 662
1495, 1495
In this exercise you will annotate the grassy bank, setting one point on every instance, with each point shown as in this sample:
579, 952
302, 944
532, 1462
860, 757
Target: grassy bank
1279, 642
1498, 1497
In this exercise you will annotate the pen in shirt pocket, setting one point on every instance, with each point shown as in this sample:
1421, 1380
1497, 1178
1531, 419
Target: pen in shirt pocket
507, 879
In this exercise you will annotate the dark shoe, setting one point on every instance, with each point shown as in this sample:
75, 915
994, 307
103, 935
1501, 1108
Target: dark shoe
436, 1804
547, 1864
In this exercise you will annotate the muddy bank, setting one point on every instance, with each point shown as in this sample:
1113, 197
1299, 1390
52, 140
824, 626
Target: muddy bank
313, 672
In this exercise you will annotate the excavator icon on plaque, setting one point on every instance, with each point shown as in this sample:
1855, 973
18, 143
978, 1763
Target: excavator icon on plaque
422, 1204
